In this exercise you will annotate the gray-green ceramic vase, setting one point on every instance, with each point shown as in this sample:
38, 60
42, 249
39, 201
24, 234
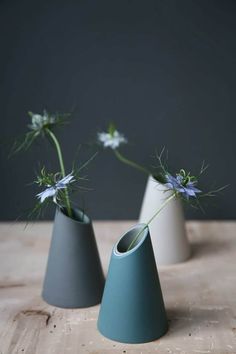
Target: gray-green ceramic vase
74, 276
132, 309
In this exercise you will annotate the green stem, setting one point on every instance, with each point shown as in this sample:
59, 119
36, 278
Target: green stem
152, 218
131, 163
62, 167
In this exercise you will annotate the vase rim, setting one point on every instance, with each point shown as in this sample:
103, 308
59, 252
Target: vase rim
87, 220
160, 187
140, 242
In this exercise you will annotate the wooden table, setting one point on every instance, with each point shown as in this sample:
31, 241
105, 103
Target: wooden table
200, 295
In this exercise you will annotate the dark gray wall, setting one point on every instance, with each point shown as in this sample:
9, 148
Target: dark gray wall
164, 71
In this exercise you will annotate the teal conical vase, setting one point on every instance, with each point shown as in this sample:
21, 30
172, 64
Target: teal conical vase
74, 276
132, 308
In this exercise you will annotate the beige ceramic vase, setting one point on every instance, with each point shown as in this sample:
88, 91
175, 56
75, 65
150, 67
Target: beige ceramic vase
168, 233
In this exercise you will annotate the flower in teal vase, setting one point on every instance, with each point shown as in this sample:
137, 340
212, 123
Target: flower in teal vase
112, 138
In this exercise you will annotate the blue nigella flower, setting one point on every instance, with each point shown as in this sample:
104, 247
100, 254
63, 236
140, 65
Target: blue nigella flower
52, 191
182, 184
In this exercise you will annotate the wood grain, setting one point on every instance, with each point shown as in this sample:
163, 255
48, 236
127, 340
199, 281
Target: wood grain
200, 295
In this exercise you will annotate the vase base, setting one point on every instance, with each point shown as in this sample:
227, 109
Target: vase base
132, 340
72, 305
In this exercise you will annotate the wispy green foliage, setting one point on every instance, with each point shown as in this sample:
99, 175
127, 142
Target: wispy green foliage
183, 183
39, 126
58, 186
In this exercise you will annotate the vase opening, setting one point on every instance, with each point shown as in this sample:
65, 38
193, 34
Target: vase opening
159, 178
132, 239
77, 215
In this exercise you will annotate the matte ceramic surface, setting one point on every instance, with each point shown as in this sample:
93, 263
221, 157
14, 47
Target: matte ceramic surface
74, 276
168, 234
132, 309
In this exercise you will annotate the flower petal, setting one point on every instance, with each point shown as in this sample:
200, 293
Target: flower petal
196, 190
111, 140
65, 180
49, 192
190, 192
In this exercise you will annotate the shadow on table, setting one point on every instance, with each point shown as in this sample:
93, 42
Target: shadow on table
207, 248
194, 321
